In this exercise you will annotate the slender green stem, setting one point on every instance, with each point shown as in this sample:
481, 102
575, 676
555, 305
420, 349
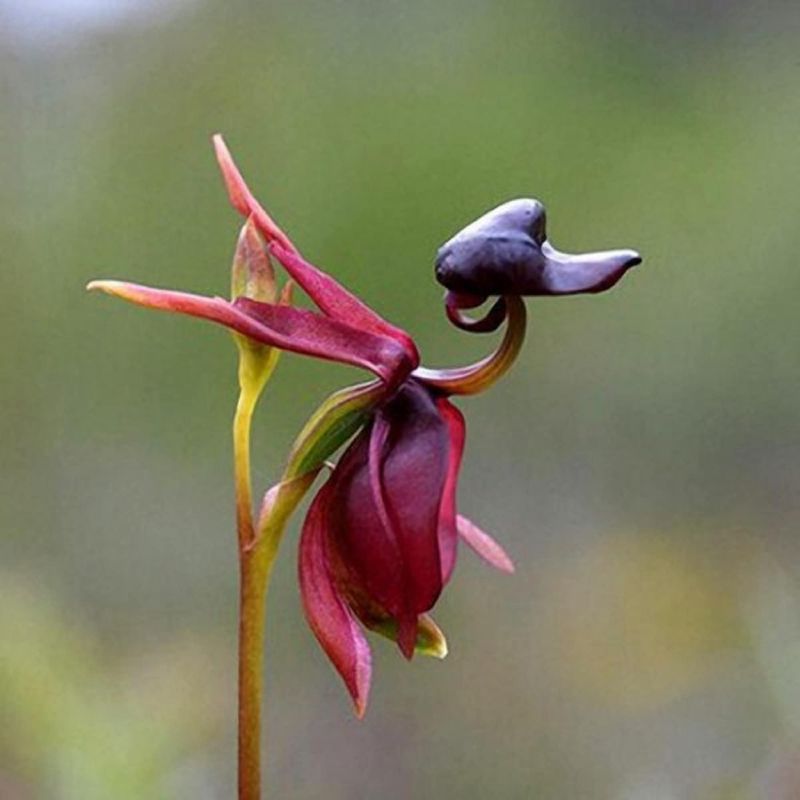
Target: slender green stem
255, 367
332, 424
241, 449
252, 616
256, 563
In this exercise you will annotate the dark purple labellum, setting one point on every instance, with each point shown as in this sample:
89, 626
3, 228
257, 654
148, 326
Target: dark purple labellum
506, 252
385, 519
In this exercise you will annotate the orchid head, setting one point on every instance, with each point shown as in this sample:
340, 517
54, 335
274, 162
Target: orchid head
506, 252
379, 542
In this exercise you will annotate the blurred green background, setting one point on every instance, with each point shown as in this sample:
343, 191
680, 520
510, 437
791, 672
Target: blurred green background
641, 463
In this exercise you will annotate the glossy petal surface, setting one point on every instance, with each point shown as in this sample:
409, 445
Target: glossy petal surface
285, 327
448, 533
328, 615
337, 302
505, 252
389, 487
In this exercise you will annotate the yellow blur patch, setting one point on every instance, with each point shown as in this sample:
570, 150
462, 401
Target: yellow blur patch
640, 620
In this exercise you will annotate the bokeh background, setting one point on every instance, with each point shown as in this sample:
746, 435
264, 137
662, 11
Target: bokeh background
641, 464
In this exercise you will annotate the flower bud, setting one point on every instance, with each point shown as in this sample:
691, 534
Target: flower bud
252, 273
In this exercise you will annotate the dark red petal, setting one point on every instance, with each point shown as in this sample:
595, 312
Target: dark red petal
285, 327
484, 545
387, 510
328, 615
413, 478
330, 296
242, 198
365, 544
335, 301
407, 634
379, 434
448, 534
331, 339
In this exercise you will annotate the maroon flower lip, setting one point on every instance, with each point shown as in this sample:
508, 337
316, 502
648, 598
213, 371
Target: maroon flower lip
506, 252
379, 542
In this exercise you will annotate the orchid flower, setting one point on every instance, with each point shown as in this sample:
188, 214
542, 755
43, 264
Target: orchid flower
379, 542
380, 538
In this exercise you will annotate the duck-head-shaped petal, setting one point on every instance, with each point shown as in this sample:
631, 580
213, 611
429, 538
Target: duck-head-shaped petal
506, 252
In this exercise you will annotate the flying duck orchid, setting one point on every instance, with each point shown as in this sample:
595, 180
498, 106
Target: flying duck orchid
380, 538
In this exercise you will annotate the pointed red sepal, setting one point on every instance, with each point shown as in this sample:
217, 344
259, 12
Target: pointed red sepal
332, 339
328, 615
335, 301
407, 635
285, 327
448, 534
330, 296
484, 545
242, 198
